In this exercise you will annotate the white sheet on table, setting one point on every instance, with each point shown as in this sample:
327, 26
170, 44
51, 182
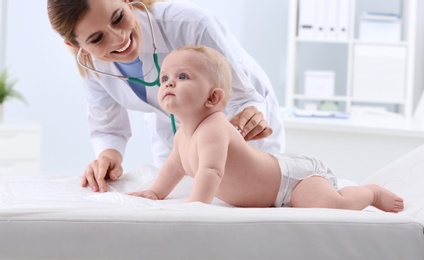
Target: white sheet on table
405, 177
58, 193
27, 194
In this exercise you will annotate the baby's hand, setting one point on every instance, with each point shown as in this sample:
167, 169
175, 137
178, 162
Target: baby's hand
148, 194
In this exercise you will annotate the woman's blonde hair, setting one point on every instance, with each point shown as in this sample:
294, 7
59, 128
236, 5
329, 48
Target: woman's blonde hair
218, 66
64, 16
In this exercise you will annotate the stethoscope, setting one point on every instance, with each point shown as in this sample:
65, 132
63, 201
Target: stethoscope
156, 82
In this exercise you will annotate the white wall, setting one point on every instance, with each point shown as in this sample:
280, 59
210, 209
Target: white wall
48, 78
419, 62
2, 33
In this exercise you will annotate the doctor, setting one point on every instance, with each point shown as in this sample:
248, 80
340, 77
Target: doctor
114, 37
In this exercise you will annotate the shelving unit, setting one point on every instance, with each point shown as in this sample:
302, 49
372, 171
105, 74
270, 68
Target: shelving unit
20, 149
357, 147
342, 57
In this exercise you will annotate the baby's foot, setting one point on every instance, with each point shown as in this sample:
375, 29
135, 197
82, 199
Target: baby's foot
385, 199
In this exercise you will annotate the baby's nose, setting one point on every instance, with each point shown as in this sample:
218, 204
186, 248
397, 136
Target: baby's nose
170, 84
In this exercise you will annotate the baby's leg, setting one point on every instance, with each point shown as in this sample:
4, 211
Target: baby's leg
317, 192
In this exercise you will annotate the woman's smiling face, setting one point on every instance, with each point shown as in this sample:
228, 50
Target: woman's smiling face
109, 31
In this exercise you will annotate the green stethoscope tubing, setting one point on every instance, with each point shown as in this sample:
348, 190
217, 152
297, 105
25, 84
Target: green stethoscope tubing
156, 82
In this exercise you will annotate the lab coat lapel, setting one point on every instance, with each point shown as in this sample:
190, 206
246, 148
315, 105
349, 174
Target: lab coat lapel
122, 92
146, 55
147, 50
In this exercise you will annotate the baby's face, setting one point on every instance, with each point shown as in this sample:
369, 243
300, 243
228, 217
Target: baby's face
185, 82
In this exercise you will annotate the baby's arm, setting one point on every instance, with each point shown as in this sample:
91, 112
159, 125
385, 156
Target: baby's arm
212, 147
169, 176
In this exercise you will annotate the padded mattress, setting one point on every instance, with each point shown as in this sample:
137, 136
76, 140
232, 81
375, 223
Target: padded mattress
52, 217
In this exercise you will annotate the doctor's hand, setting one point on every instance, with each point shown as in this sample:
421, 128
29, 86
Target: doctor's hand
252, 124
107, 166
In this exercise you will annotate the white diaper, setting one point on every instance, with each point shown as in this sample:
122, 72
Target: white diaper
295, 168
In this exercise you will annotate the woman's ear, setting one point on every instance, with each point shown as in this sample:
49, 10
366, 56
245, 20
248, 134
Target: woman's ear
129, 3
76, 48
216, 96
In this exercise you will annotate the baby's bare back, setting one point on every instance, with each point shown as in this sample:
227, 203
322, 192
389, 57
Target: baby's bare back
251, 177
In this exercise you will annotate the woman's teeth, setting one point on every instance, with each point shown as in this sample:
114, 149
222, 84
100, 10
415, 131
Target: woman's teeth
125, 47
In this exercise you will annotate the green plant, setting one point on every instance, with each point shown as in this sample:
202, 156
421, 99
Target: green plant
6, 88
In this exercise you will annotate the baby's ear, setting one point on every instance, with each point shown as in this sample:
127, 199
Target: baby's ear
215, 97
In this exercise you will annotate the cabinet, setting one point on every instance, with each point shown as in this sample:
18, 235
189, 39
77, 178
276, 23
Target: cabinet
357, 147
19, 149
369, 72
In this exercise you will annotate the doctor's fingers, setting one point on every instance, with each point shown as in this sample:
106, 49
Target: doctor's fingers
265, 133
89, 177
253, 122
260, 130
115, 171
95, 174
242, 118
108, 169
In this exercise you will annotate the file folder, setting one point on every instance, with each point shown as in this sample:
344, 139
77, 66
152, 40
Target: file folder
324, 19
343, 20
332, 10
321, 19
307, 19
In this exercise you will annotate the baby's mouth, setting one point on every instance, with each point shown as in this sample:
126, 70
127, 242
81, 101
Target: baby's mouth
168, 94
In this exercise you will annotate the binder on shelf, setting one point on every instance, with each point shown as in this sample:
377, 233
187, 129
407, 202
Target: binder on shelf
321, 19
307, 19
332, 14
343, 19
324, 19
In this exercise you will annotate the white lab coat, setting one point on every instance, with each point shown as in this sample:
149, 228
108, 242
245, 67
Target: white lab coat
176, 24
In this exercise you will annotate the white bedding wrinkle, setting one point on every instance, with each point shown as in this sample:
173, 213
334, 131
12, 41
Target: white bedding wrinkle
64, 192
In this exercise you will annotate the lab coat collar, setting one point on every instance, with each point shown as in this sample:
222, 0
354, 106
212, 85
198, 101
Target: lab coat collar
117, 87
147, 41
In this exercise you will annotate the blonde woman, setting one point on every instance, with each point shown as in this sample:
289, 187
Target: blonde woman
114, 37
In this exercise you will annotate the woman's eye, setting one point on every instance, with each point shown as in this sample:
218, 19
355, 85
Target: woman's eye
97, 39
183, 76
118, 19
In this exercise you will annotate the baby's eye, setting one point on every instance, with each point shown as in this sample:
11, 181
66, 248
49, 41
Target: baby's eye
164, 79
183, 76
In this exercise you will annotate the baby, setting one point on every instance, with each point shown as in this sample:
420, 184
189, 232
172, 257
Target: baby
195, 87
